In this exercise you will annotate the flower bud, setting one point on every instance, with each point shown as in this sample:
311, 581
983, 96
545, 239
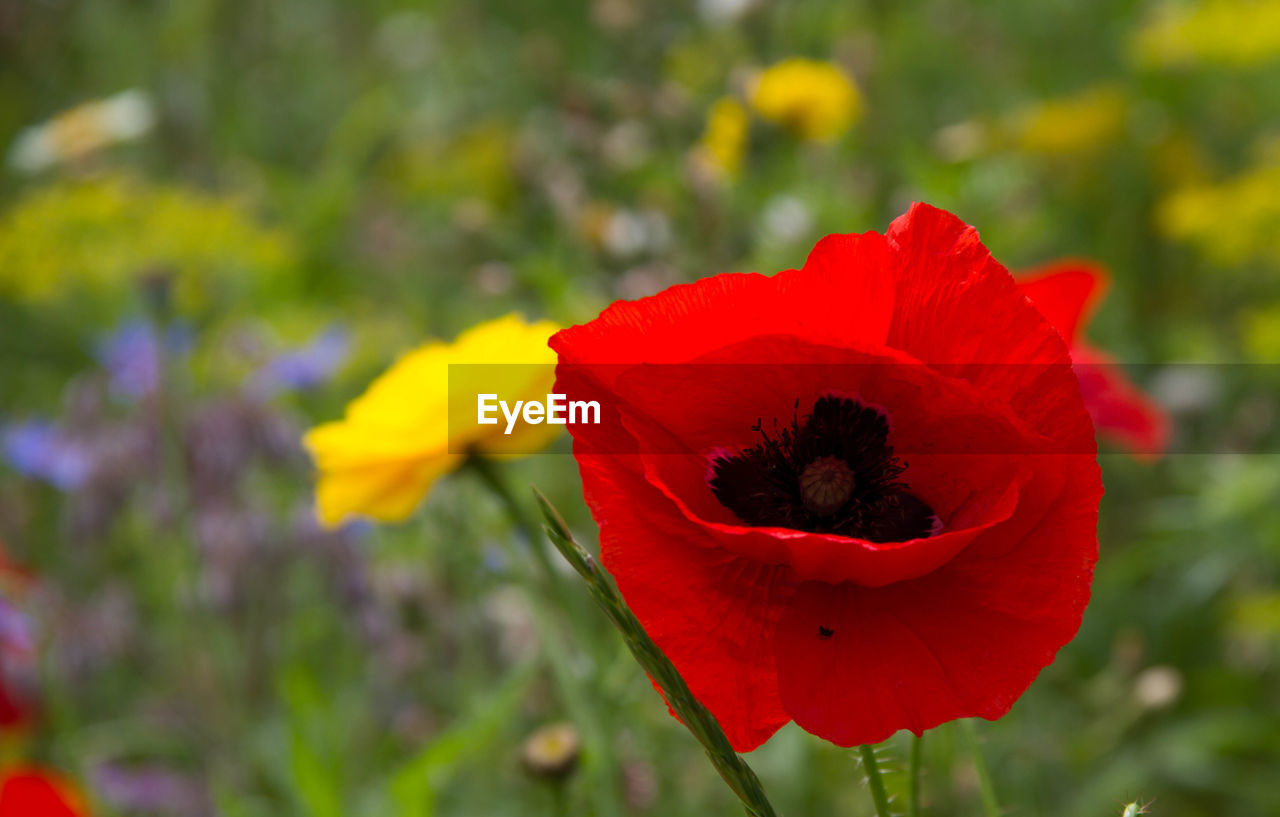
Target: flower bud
552, 751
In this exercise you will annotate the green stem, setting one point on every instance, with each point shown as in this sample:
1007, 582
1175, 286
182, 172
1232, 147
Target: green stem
874, 782
913, 776
731, 767
597, 760
990, 805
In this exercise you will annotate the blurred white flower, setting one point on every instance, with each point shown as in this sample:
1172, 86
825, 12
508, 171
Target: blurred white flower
83, 130
1186, 389
628, 233
722, 12
1157, 687
786, 219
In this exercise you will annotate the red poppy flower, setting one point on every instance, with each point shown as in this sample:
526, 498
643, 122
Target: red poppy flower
16, 712
30, 792
13, 714
1066, 293
861, 495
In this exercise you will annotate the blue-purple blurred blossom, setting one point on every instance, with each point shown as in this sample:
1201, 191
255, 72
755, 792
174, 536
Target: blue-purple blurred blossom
132, 356
495, 559
306, 367
150, 790
39, 449
15, 629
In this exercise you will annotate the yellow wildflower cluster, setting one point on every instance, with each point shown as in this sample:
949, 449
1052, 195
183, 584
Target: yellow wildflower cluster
1230, 221
1073, 125
724, 141
96, 238
815, 100
409, 428
1236, 33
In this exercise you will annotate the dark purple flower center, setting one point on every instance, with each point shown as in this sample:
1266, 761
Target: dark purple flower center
830, 471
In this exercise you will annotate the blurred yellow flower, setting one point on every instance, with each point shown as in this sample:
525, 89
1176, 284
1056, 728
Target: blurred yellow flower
82, 131
1236, 33
100, 237
1079, 124
410, 427
815, 100
475, 163
1262, 333
724, 141
1231, 221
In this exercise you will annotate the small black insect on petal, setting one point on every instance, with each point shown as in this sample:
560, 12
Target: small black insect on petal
829, 471
825, 632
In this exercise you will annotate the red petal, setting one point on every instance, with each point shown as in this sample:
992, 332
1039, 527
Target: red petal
710, 611
13, 715
965, 640
844, 296
1120, 410
959, 310
34, 793
1066, 293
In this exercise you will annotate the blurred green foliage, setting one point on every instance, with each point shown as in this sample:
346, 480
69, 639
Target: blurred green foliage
406, 170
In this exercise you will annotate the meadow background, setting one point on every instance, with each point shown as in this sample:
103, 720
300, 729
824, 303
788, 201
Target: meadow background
294, 192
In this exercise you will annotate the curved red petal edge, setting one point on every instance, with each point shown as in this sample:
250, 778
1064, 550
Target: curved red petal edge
32, 792
1067, 292
1121, 411
711, 612
964, 641
843, 272
768, 624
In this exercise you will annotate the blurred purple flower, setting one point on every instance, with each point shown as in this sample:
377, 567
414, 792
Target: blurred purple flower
132, 356
306, 367
150, 790
15, 629
495, 559
38, 449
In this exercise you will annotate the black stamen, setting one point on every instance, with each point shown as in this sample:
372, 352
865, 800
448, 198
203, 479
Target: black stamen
830, 471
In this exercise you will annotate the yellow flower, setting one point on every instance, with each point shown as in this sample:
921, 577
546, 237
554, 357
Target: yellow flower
1236, 33
815, 100
96, 239
1071, 125
414, 423
725, 139
1231, 221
